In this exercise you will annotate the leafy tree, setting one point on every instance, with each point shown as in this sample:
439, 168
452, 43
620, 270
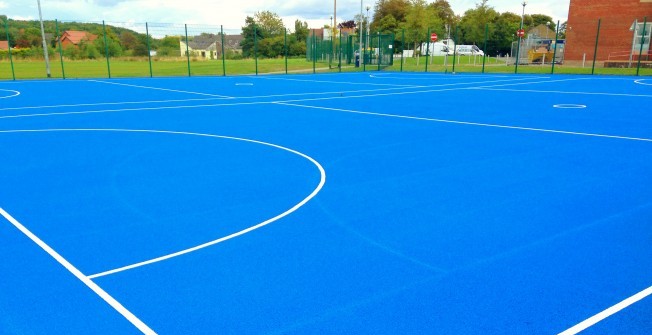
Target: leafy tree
269, 23
546, 20
350, 24
398, 9
504, 32
473, 23
443, 10
301, 30
250, 30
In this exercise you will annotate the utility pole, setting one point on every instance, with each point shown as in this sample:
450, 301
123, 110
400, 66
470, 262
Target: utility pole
45, 43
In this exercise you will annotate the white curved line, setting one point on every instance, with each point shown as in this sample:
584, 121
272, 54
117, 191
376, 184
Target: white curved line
640, 82
322, 181
16, 93
569, 106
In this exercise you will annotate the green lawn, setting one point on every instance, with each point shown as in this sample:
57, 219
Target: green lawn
34, 69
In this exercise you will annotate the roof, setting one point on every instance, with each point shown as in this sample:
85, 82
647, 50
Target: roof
76, 36
542, 31
4, 45
203, 42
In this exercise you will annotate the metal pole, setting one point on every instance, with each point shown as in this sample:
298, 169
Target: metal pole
285, 46
149, 51
640, 53
256, 48
455, 47
379, 55
187, 49
360, 34
45, 43
11, 59
314, 54
554, 54
106, 50
56, 28
631, 52
223, 55
486, 36
518, 47
402, 47
340, 54
595, 52
427, 48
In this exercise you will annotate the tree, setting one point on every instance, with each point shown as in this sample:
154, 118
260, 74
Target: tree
250, 30
350, 24
474, 22
538, 19
443, 10
398, 9
301, 30
419, 20
504, 32
387, 24
269, 23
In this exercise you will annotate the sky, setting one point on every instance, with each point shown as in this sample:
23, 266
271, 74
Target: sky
231, 14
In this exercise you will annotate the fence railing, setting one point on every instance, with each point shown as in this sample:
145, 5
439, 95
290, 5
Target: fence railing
117, 49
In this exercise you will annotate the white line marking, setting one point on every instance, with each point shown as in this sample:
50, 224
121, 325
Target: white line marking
569, 106
473, 123
640, 82
607, 312
86, 280
564, 92
431, 76
294, 208
16, 93
240, 98
335, 82
159, 89
244, 84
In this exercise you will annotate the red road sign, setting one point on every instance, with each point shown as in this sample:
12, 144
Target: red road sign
520, 33
433, 37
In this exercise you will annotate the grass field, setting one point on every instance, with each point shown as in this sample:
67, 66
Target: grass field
34, 69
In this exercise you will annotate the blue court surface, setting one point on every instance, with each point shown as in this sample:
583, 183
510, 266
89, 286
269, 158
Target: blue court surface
362, 203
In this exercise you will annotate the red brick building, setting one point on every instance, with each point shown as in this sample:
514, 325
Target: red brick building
617, 17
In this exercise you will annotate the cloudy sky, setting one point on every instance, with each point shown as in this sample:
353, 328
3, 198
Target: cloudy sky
232, 13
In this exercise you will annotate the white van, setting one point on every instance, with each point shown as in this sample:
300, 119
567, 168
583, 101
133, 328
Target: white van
435, 49
468, 50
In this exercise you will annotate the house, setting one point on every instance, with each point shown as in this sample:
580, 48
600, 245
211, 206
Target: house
209, 46
616, 29
74, 37
541, 31
4, 45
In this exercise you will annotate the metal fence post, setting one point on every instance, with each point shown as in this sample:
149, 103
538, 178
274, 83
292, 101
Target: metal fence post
640, 53
339, 61
56, 30
595, 52
187, 49
486, 36
379, 52
149, 50
455, 47
256, 48
223, 55
314, 54
11, 59
402, 47
554, 54
427, 49
106, 50
285, 48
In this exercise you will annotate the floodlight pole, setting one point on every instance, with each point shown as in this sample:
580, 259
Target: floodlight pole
518, 47
45, 44
360, 35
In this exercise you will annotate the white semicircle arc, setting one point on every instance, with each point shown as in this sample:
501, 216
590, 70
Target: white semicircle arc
287, 212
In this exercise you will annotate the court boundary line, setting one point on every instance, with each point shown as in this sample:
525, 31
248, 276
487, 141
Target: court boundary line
294, 208
247, 98
468, 123
259, 102
640, 82
593, 320
117, 306
16, 93
563, 92
159, 88
337, 82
